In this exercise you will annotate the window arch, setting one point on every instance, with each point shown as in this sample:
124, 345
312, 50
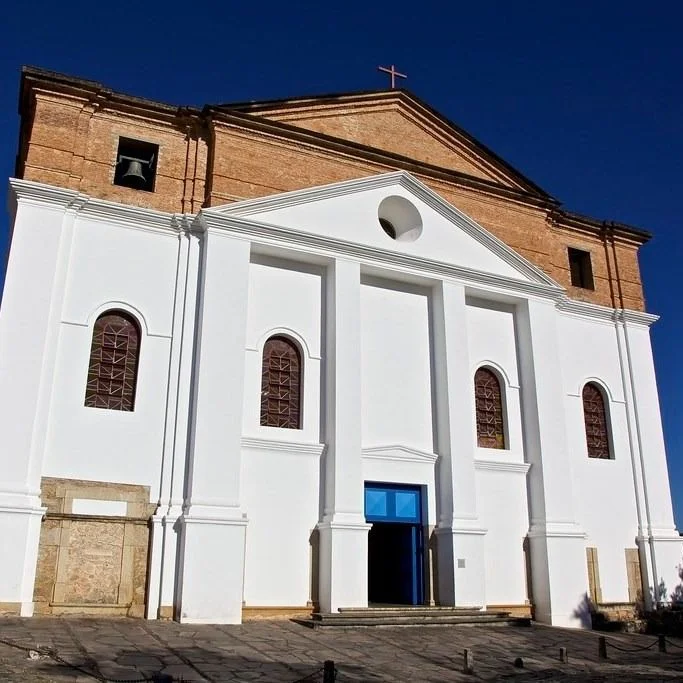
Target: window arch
281, 384
489, 407
113, 366
595, 420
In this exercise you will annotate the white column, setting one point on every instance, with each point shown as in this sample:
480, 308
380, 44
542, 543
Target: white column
214, 526
343, 531
165, 538
29, 332
661, 546
460, 537
557, 544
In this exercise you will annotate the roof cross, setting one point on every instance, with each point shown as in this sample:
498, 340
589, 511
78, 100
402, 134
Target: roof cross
393, 73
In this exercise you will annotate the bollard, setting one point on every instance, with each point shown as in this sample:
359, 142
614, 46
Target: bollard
661, 643
602, 648
563, 655
328, 671
518, 663
467, 662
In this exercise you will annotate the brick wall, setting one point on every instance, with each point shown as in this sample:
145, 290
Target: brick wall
70, 134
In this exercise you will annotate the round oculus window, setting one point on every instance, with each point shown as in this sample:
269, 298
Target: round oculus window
399, 218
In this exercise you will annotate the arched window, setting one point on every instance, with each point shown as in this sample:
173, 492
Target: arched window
595, 419
489, 404
281, 384
113, 368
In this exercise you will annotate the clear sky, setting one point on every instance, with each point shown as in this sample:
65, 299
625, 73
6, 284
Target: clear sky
583, 97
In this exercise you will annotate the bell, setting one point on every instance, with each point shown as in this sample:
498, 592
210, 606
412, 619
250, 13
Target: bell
133, 175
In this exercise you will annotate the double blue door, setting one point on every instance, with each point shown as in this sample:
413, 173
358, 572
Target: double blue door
395, 544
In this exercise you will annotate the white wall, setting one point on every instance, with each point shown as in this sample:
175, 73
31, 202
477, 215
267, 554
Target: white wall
284, 298
395, 366
491, 339
501, 474
281, 467
113, 267
503, 512
280, 494
604, 489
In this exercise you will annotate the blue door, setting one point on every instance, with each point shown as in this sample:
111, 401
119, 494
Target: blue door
395, 544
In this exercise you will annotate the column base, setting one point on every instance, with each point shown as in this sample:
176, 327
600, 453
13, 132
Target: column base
343, 564
667, 546
559, 575
162, 564
212, 572
20, 532
461, 570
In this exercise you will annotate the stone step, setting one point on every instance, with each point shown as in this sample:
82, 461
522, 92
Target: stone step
410, 616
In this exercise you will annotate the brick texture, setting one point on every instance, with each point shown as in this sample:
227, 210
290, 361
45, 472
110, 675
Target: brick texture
70, 136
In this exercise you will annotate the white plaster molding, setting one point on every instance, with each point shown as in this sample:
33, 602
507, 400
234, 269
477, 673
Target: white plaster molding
396, 178
284, 331
85, 206
298, 447
638, 317
542, 529
487, 363
329, 247
501, 466
398, 452
413, 186
601, 383
605, 314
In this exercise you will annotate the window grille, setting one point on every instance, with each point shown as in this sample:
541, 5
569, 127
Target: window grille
595, 418
281, 384
489, 408
113, 368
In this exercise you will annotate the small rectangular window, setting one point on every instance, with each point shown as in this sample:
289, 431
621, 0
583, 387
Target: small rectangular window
136, 164
580, 268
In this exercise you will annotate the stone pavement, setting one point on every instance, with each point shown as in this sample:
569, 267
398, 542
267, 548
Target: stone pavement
135, 650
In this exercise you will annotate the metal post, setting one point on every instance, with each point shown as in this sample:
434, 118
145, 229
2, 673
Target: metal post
661, 643
563, 655
467, 662
602, 648
328, 671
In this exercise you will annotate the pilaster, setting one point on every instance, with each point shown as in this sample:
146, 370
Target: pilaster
343, 530
460, 537
557, 544
165, 537
659, 543
32, 302
213, 525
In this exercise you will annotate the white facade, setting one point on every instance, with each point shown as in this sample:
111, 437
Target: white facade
391, 333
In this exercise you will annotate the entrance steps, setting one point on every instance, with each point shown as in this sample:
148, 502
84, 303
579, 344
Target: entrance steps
411, 616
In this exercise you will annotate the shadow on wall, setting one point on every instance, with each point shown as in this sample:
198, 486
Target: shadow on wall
584, 612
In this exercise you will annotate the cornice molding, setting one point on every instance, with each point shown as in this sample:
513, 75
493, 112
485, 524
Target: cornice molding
588, 311
275, 235
300, 448
85, 206
397, 178
501, 466
399, 452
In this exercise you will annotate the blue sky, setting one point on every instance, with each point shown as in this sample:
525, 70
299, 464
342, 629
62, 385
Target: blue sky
585, 98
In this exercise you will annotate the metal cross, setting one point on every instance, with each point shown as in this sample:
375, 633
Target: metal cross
393, 73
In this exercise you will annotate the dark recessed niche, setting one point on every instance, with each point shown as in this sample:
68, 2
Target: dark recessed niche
136, 164
580, 268
388, 227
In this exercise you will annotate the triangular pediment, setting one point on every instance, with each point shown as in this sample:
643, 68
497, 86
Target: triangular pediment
397, 122
431, 233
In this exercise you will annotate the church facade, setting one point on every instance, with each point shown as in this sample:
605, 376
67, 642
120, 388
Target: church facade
267, 358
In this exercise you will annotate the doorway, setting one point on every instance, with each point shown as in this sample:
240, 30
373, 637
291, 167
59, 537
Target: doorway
395, 544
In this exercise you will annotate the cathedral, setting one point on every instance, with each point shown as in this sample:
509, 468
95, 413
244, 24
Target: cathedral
272, 358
